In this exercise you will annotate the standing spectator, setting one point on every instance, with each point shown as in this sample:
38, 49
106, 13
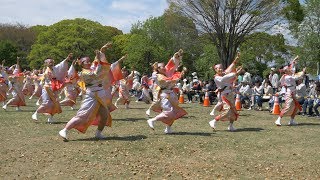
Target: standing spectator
186, 89
246, 76
211, 87
274, 79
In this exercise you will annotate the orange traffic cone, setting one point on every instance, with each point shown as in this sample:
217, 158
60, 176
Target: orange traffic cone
206, 102
276, 106
238, 102
181, 98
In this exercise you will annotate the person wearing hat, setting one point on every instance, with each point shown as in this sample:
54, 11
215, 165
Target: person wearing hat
168, 99
54, 76
288, 80
274, 79
226, 106
15, 87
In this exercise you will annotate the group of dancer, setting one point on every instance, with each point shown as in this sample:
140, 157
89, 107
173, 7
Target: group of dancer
99, 80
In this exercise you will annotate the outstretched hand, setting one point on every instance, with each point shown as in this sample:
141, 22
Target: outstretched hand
106, 46
239, 69
97, 52
69, 57
123, 57
237, 58
295, 59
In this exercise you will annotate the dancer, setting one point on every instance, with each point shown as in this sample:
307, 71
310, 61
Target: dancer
71, 89
15, 87
37, 84
169, 103
145, 90
125, 85
96, 103
226, 105
170, 69
28, 87
3, 84
53, 82
288, 80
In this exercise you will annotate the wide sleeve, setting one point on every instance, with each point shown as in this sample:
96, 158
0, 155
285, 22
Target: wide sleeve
61, 70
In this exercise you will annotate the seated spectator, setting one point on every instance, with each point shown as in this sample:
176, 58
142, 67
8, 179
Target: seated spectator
245, 94
258, 93
317, 99
308, 102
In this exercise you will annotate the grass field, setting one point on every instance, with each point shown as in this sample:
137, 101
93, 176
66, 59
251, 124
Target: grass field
257, 150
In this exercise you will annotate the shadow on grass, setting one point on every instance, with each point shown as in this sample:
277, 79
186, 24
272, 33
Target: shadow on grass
249, 129
131, 119
192, 133
115, 138
247, 115
308, 124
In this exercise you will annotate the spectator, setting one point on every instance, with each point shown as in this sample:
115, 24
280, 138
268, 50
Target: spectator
274, 79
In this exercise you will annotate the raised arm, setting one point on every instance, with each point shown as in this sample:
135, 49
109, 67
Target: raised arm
233, 64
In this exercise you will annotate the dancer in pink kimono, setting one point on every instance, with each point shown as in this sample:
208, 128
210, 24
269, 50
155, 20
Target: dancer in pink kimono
15, 87
54, 76
288, 80
71, 88
28, 87
170, 69
226, 104
3, 84
96, 106
37, 84
169, 103
125, 85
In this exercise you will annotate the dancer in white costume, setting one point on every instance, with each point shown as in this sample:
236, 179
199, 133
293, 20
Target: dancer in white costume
226, 106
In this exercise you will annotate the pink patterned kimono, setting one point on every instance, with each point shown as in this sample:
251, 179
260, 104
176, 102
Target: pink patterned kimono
3, 86
292, 106
28, 86
226, 104
168, 99
95, 97
53, 82
71, 89
15, 87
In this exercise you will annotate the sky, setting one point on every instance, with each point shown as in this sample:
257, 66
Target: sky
117, 13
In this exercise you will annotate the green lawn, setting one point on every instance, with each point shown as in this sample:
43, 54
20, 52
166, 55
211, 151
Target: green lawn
257, 150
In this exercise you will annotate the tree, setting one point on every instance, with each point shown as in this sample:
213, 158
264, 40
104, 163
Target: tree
79, 36
309, 36
8, 52
228, 22
261, 50
21, 37
158, 38
206, 61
